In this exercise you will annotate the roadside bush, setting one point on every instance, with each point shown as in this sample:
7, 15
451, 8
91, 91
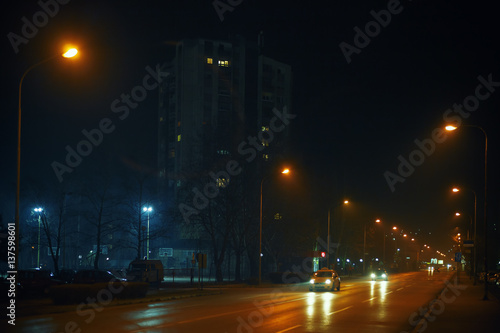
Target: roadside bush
78, 293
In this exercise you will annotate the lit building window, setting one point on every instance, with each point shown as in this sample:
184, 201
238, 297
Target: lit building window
223, 63
222, 182
265, 157
265, 129
210, 61
178, 138
265, 143
278, 216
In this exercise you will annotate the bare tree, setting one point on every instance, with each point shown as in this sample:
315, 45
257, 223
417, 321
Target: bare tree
101, 213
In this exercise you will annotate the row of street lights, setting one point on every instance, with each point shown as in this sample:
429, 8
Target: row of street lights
485, 224
73, 52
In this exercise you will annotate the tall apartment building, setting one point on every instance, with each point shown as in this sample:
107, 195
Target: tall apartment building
217, 93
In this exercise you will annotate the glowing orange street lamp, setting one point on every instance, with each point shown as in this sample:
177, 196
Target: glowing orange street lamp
70, 53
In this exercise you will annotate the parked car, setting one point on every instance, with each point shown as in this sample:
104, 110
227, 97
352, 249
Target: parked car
36, 281
86, 276
379, 273
325, 279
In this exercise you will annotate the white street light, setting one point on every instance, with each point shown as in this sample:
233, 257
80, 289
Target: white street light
148, 210
39, 211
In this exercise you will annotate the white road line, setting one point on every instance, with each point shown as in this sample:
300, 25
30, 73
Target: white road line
290, 300
253, 296
387, 293
340, 310
400, 289
289, 329
370, 299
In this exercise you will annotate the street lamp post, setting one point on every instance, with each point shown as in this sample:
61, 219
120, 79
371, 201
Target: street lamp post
328, 243
285, 172
345, 202
148, 210
39, 211
485, 223
68, 54
364, 244
474, 267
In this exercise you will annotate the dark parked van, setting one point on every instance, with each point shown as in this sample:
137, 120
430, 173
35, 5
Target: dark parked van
145, 271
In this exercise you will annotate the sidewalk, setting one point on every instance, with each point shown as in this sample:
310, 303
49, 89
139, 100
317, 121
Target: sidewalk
460, 308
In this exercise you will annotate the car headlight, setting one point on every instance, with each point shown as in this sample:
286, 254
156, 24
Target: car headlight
311, 281
373, 275
328, 281
383, 275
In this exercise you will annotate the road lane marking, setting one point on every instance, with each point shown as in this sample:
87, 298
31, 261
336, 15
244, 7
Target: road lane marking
254, 296
340, 310
289, 329
400, 289
387, 293
370, 299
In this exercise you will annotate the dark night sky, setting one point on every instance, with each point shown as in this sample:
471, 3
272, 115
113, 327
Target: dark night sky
354, 120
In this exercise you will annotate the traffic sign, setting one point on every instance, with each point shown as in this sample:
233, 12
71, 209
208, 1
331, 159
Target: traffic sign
458, 256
